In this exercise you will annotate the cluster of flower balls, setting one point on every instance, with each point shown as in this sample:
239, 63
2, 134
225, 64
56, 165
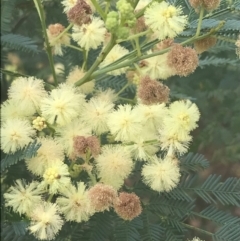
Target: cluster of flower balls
74, 126
69, 125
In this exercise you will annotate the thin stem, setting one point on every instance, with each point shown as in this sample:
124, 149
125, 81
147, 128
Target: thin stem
99, 9
40, 10
107, 7
85, 56
92, 177
63, 32
128, 100
138, 46
136, 58
101, 57
134, 36
123, 88
197, 229
226, 39
49, 86
50, 198
73, 47
200, 21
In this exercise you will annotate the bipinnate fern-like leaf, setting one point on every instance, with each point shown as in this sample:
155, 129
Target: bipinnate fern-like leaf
215, 61
7, 15
151, 231
228, 232
193, 162
128, 230
14, 231
213, 190
26, 153
19, 42
100, 226
170, 207
218, 216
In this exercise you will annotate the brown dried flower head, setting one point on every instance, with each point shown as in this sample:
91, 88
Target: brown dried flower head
209, 5
152, 91
204, 44
140, 25
183, 60
80, 13
55, 29
128, 206
94, 145
102, 197
80, 145
166, 43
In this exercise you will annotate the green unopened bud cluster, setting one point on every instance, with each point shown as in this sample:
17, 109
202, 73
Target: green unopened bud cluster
120, 22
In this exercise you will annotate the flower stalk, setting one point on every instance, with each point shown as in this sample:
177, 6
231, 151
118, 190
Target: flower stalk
40, 10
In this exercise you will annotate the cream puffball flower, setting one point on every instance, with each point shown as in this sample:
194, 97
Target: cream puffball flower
62, 105
15, 135
182, 117
124, 123
174, 142
114, 164
91, 35
10, 109
76, 74
108, 95
27, 92
49, 150
53, 31
141, 150
157, 67
56, 177
45, 221
65, 134
161, 175
96, 113
116, 53
165, 20
23, 197
152, 115
75, 203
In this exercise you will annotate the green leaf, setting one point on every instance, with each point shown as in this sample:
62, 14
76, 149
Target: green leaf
193, 162
19, 42
226, 193
229, 232
128, 231
100, 226
7, 15
14, 231
26, 153
218, 216
171, 207
151, 231
215, 61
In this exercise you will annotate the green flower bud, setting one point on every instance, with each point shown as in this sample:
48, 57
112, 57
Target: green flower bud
122, 32
124, 8
112, 21
131, 23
